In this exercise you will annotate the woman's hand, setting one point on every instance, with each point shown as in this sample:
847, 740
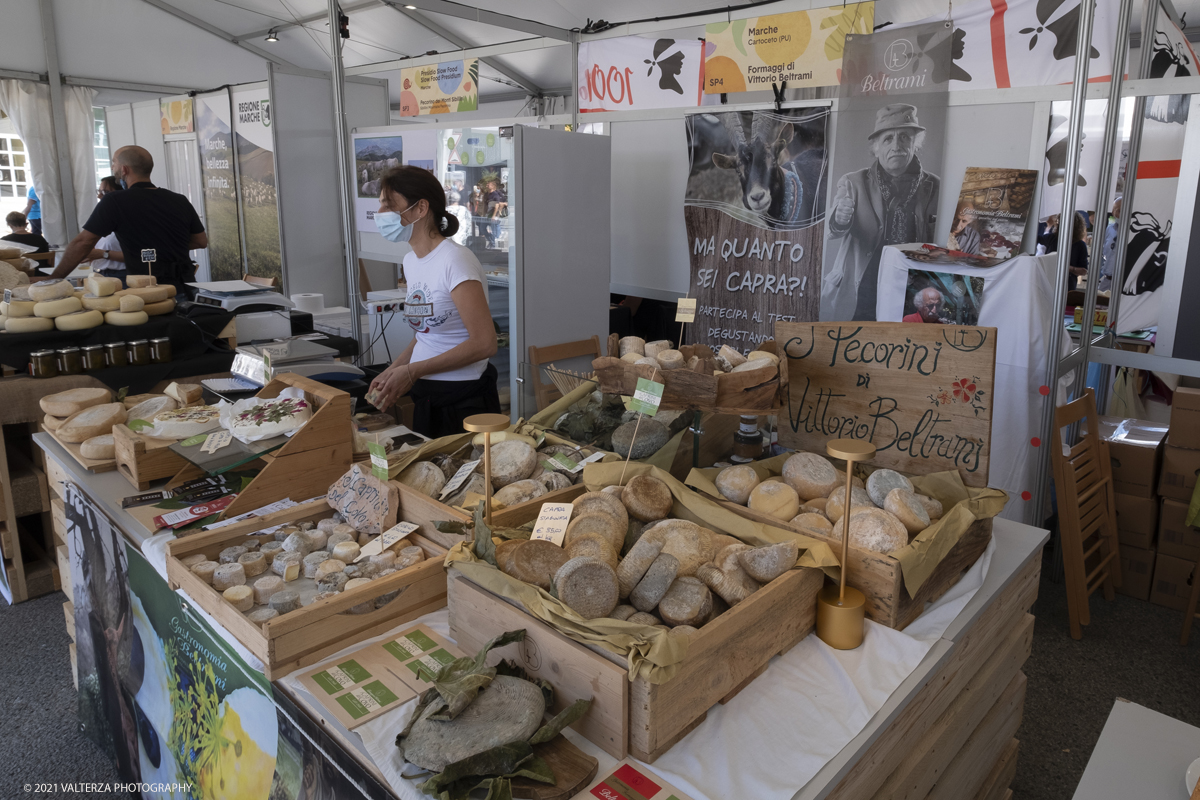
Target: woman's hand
390, 385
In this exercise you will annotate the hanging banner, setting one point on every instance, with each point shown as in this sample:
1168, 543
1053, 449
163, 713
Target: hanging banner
633, 72
891, 134
442, 88
175, 115
256, 162
755, 211
803, 48
213, 124
1018, 43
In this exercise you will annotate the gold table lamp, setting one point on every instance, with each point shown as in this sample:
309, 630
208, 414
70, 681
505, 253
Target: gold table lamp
841, 609
487, 424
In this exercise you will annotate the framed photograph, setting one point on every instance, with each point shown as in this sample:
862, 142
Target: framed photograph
942, 298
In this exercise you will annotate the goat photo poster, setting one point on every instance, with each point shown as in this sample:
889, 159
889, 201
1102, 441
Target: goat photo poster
755, 214
888, 158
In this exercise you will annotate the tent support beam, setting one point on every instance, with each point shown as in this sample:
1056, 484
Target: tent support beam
58, 114
300, 22
346, 190
486, 17
162, 5
95, 83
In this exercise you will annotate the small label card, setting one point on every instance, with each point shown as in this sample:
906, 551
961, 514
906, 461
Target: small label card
379, 461
630, 781
460, 477
215, 441
559, 461
387, 539
686, 311
593, 458
647, 397
551, 525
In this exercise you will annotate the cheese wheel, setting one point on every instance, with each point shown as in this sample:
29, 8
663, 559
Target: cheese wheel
52, 422
776, 499
647, 498
635, 358
631, 344
634, 565
835, 506
346, 552
730, 356
587, 586
193, 560
519, 492
79, 320
736, 483
125, 319
687, 602
874, 529
810, 475
882, 481
50, 290
204, 570
253, 563
28, 325
50, 309
99, 447
72, 401
102, 286
101, 304
151, 406
260, 615
151, 294
905, 506
671, 359
140, 281
654, 348
7, 252
512, 461
240, 597
129, 303
690, 544
158, 309
424, 477
654, 584
755, 355
265, 587
20, 308
932, 507
812, 522
93, 421
752, 365
765, 564
171, 290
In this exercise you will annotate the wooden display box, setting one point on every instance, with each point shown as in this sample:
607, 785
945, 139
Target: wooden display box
879, 577
757, 391
307, 635
95, 465
144, 459
724, 657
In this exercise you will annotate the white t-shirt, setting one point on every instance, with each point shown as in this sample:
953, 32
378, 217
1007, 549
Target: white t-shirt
107, 243
430, 309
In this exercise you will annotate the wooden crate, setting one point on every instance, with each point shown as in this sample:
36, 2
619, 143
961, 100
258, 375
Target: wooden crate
69, 614
58, 520
878, 575
56, 476
64, 571
90, 464
144, 459
307, 635
74, 666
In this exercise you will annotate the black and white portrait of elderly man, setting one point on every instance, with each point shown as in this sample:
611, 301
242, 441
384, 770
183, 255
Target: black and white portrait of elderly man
892, 201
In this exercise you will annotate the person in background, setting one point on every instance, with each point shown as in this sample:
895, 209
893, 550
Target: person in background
497, 202
33, 210
106, 256
155, 227
19, 232
445, 368
1079, 252
929, 307
1110, 247
455, 207
1048, 237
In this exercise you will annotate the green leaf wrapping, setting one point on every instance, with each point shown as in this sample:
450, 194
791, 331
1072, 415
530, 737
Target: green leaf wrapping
485, 550
490, 769
458, 682
451, 526
567, 716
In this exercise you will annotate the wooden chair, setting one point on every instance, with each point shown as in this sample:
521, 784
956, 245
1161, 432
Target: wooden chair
257, 281
1190, 613
1087, 521
546, 393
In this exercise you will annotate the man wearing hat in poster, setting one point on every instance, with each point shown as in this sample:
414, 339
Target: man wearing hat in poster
893, 201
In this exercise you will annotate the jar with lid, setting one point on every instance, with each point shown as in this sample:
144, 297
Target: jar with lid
139, 352
160, 350
93, 357
747, 441
70, 361
43, 364
116, 355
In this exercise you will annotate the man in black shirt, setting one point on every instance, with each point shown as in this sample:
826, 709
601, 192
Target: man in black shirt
156, 227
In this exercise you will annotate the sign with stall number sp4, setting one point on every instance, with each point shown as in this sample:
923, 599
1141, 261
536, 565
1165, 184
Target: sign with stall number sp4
647, 397
379, 461
686, 310
551, 525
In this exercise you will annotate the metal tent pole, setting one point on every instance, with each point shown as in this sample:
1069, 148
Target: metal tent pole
58, 119
345, 186
1083, 44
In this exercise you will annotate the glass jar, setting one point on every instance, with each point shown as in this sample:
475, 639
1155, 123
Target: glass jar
160, 350
70, 361
747, 441
93, 357
116, 355
43, 364
139, 352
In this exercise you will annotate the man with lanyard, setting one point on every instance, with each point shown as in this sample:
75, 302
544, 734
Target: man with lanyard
156, 227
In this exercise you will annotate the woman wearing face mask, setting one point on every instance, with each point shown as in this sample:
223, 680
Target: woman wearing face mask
446, 368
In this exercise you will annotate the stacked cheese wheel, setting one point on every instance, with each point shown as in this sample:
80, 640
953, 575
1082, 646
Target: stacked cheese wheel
625, 558
280, 570
661, 355
51, 305
885, 511
85, 417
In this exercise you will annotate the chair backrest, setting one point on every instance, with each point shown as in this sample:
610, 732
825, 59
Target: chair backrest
546, 393
257, 281
48, 257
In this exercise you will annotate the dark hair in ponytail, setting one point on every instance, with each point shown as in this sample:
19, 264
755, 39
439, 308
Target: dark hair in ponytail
414, 184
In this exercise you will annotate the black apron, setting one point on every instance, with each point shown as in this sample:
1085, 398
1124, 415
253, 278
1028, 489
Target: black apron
441, 406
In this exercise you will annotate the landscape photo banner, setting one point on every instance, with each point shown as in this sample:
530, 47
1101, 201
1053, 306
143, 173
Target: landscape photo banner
215, 138
922, 394
635, 72
754, 210
803, 48
255, 145
442, 88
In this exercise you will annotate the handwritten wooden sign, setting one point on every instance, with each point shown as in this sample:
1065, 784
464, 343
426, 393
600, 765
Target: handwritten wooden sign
367, 503
922, 394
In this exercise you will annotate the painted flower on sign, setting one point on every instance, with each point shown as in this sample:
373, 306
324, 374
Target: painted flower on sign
965, 391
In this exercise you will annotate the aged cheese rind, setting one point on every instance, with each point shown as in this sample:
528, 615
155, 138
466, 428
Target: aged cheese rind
587, 586
904, 506
98, 447
512, 461
765, 564
240, 597
92, 421
687, 602
227, 575
775, 499
28, 325
130, 303
265, 587
874, 529
49, 309
737, 482
101, 285
79, 321
124, 319
519, 492
49, 291
253, 563
537, 561
101, 304
882, 481
654, 584
647, 498
810, 475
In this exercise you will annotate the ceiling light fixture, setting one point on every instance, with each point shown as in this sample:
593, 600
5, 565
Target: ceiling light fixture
411, 8
271, 37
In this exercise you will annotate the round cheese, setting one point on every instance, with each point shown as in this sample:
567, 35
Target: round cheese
99, 447
654, 348
50, 290
240, 597
79, 320
634, 358
809, 474
50, 309
158, 309
72, 401
687, 602
423, 476
171, 290
149, 408
736, 483
52, 422
882, 481
512, 461
20, 308
765, 564
93, 421
151, 294
181, 423
670, 359
129, 303
812, 522
124, 319
647, 498
654, 584
632, 344
102, 286
755, 355
905, 506
874, 529
587, 586
519, 492
140, 281
776, 499
102, 304
835, 506
932, 507
28, 325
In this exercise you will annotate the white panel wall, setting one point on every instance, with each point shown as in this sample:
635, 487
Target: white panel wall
120, 126
147, 132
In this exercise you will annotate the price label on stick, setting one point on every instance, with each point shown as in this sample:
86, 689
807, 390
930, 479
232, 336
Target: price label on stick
647, 397
386, 540
686, 311
379, 461
551, 525
460, 477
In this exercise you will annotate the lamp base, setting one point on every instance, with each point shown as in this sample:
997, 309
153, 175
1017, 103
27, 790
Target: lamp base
841, 626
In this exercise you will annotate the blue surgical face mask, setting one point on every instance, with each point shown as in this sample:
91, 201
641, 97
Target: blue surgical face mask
391, 226
123, 185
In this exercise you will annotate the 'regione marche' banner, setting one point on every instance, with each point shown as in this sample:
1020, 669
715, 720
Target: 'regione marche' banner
922, 394
803, 48
442, 88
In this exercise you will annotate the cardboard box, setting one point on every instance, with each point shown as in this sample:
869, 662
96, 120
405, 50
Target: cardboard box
1137, 572
1135, 449
1172, 582
1179, 470
1137, 520
1185, 418
1175, 537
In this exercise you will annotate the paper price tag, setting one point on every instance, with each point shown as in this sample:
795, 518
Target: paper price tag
215, 441
460, 477
594, 457
559, 461
551, 525
647, 397
386, 539
379, 461
686, 311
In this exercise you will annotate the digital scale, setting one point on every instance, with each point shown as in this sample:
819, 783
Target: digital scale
294, 355
239, 297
